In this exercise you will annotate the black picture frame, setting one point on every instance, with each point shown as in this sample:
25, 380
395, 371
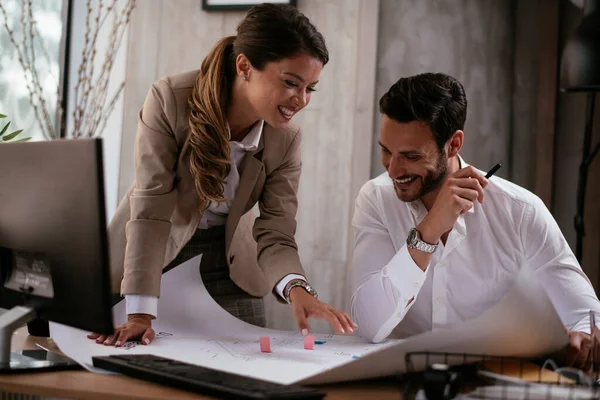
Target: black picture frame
234, 5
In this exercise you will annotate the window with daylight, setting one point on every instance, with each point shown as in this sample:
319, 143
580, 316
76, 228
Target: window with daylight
31, 65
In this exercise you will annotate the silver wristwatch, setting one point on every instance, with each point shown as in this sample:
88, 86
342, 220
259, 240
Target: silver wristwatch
413, 241
304, 285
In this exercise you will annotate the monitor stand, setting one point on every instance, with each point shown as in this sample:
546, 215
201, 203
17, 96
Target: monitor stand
26, 360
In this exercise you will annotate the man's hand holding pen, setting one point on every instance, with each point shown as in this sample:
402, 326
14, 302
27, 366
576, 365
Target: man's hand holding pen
457, 196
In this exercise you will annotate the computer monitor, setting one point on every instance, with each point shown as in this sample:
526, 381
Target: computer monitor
53, 241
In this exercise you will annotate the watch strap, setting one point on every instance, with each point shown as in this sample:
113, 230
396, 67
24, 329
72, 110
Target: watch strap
304, 285
425, 247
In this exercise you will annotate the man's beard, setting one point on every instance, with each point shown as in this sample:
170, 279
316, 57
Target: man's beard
430, 182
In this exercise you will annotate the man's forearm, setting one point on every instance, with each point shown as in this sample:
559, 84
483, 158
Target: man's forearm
380, 302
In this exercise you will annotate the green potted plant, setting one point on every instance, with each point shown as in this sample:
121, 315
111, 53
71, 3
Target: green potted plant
10, 137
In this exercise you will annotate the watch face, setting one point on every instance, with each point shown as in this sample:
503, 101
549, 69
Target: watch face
412, 237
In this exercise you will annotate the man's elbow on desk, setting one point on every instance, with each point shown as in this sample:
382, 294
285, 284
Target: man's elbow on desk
371, 325
377, 307
375, 334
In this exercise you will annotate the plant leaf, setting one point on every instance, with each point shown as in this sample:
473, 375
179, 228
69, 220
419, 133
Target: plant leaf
3, 131
12, 135
21, 140
2, 116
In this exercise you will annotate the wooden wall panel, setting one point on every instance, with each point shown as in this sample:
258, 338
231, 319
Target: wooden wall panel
142, 53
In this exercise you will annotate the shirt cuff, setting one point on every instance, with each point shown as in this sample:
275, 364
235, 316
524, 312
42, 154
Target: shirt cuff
405, 274
284, 281
141, 304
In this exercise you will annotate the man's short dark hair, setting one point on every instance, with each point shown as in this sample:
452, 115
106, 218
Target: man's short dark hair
436, 99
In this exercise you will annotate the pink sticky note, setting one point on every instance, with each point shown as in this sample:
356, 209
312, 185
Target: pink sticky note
265, 344
309, 342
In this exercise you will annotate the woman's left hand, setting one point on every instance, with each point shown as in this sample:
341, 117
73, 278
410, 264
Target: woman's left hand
305, 306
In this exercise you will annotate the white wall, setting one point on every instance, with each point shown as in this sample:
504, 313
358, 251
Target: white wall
112, 134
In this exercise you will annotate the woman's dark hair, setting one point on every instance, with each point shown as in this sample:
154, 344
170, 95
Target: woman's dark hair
438, 100
268, 33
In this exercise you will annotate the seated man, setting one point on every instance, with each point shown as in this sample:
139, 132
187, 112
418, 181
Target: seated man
429, 251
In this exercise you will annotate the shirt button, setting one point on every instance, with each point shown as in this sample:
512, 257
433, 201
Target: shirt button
416, 283
439, 299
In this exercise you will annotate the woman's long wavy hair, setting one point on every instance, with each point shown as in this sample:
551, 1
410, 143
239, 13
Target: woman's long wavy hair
268, 33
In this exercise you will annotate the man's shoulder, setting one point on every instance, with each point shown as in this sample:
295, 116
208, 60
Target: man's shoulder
511, 193
508, 192
377, 185
377, 192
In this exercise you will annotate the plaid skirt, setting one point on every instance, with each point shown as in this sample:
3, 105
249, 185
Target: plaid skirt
214, 272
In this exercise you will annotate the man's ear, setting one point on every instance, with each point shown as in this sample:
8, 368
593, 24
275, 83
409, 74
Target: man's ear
455, 143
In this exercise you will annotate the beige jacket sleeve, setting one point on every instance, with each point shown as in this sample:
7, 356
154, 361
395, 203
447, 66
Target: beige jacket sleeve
275, 227
153, 197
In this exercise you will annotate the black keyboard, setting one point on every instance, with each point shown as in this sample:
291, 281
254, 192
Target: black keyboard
201, 380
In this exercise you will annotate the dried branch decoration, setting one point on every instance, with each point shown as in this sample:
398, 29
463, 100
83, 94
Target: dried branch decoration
91, 108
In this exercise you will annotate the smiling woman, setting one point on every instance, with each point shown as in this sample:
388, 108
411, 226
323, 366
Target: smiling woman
211, 143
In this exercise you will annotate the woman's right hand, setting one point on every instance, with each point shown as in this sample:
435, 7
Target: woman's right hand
138, 326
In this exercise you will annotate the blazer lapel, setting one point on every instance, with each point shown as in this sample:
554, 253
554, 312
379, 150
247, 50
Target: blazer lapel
250, 171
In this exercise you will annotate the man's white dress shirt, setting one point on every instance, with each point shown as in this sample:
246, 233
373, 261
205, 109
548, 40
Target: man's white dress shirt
215, 215
476, 267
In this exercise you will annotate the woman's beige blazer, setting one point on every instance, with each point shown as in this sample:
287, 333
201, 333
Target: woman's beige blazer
160, 213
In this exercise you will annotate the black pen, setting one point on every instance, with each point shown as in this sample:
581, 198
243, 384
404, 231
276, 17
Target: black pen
493, 170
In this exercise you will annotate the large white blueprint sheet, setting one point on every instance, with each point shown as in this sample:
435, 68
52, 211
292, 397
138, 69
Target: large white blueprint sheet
192, 327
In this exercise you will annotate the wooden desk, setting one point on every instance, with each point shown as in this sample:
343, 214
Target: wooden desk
87, 385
